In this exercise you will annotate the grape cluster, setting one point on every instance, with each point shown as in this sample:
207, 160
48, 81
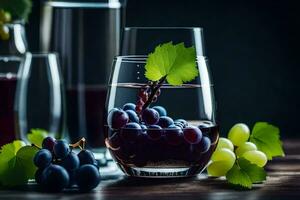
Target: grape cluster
131, 136
143, 97
59, 167
5, 17
235, 146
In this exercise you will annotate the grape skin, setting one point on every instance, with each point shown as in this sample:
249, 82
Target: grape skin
161, 110
239, 134
165, 121
56, 178
222, 161
117, 119
247, 146
223, 154
219, 168
61, 149
86, 157
48, 143
225, 143
256, 157
42, 158
71, 162
87, 177
150, 116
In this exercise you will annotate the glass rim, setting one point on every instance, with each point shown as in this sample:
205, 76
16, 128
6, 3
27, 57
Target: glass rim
143, 58
41, 54
127, 28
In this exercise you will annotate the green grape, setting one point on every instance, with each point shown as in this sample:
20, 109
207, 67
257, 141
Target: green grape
219, 168
239, 134
223, 154
225, 143
247, 146
5, 17
4, 32
256, 157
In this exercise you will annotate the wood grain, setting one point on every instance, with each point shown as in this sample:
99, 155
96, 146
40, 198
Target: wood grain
283, 182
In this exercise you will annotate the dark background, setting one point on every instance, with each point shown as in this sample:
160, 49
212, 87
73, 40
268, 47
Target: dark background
252, 48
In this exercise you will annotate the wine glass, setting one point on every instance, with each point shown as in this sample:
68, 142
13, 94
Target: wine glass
39, 97
9, 66
142, 40
160, 150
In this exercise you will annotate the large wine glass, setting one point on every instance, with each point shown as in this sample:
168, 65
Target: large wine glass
39, 98
142, 40
162, 151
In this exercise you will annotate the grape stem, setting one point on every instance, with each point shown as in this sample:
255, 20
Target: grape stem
36, 146
154, 88
80, 144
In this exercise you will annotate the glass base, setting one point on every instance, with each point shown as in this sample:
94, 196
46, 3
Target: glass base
159, 172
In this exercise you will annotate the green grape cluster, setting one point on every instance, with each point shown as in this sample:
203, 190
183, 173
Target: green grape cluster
236, 146
5, 17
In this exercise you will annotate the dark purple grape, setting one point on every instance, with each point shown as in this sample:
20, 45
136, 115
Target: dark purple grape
204, 145
173, 135
144, 128
48, 143
39, 176
133, 117
180, 125
61, 149
42, 158
165, 121
150, 116
131, 132
192, 134
87, 177
86, 157
181, 121
117, 119
154, 132
129, 106
161, 110
56, 178
71, 162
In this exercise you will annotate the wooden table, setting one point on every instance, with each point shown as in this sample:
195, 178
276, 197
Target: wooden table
283, 182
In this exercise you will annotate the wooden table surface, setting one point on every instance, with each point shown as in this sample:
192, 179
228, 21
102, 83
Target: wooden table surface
283, 182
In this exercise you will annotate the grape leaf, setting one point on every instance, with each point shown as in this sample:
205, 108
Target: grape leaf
36, 136
16, 163
244, 174
175, 62
19, 9
267, 139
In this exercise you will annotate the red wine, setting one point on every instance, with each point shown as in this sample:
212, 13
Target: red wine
8, 85
85, 109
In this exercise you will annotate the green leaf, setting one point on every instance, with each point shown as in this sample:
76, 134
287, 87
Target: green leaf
244, 174
16, 164
267, 139
175, 62
19, 9
36, 136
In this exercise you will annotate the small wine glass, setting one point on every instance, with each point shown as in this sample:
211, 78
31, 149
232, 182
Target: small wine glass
39, 98
161, 151
9, 66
